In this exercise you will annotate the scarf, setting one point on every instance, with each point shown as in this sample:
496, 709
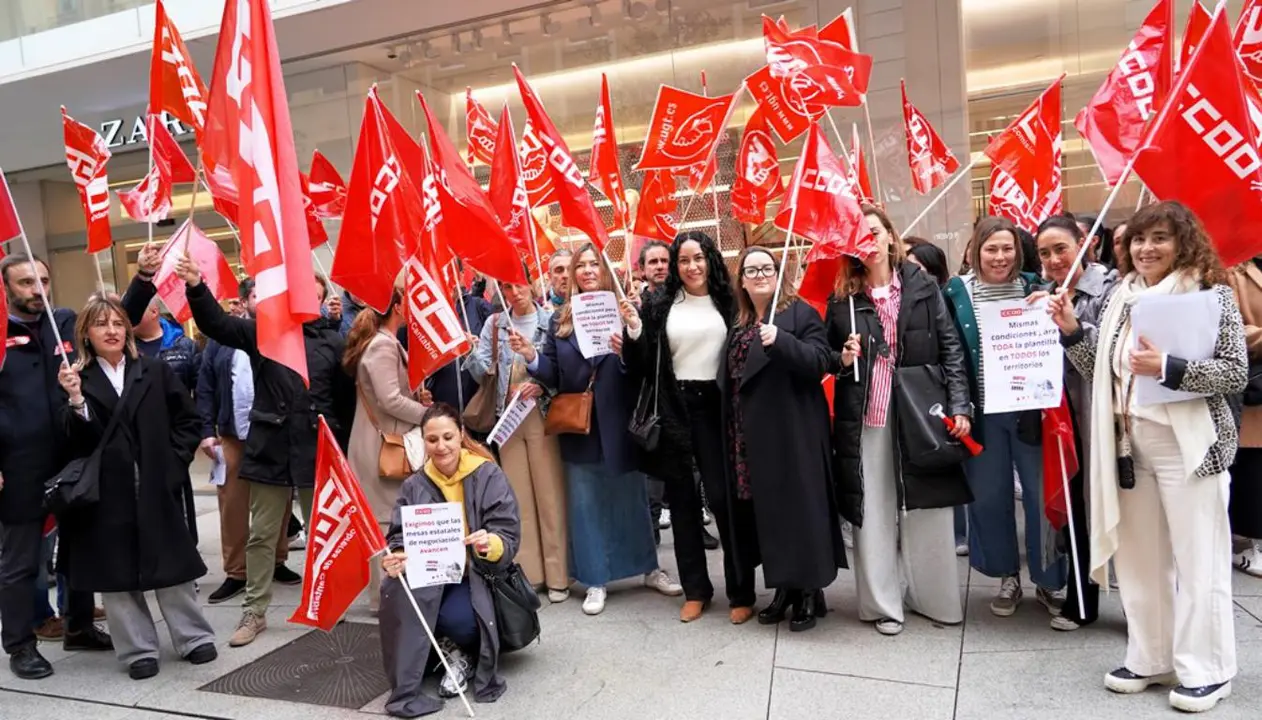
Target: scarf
1196, 431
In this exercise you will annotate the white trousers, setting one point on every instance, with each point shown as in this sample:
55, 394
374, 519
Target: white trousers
917, 549
1173, 565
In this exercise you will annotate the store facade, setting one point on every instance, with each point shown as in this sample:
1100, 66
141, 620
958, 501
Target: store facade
969, 65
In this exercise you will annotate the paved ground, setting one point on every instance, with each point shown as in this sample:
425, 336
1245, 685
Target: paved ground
637, 662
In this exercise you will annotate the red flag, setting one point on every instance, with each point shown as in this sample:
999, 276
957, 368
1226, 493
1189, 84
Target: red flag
684, 129
1248, 40
1007, 200
508, 192
1199, 20
205, 253
1206, 125
604, 158
435, 335
822, 72
841, 31
757, 171
328, 189
343, 539
10, 225
4, 327
827, 213
86, 155
819, 282
931, 161
480, 129
384, 218
150, 200
829, 384
1026, 149
174, 85
1113, 122
859, 168
654, 216
535, 172
315, 228
1060, 455
577, 209
172, 154
786, 110
249, 134
471, 228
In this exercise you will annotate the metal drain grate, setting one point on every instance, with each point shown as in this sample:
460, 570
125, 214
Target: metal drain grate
337, 669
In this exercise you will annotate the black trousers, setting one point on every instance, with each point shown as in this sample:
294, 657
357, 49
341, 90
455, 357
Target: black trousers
1084, 610
20, 551
704, 405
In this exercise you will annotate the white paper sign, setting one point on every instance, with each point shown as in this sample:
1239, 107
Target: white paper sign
1183, 326
218, 468
1022, 359
596, 319
433, 538
515, 411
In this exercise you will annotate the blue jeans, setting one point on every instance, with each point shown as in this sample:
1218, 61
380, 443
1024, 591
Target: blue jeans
43, 609
992, 521
961, 525
456, 620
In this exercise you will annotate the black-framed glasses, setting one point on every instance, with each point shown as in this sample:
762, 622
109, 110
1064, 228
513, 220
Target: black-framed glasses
757, 272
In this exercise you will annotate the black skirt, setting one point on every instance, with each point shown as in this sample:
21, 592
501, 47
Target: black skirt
1245, 509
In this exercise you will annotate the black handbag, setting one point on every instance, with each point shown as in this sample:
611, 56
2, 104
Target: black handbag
926, 444
646, 425
516, 605
1253, 388
78, 485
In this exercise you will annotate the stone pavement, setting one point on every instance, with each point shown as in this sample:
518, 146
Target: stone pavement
637, 662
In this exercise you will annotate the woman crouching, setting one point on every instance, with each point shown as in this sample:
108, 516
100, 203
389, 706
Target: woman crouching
462, 616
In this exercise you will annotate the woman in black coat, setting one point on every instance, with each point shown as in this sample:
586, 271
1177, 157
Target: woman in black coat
135, 538
775, 420
902, 518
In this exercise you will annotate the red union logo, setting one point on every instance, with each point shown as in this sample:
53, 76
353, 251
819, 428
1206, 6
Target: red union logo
188, 85
788, 58
331, 521
1220, 136
431, 320
759, 162
1011, 312
482, 134
917, 132
83, 166
1139, 79
429, 200
382, 186
826, 182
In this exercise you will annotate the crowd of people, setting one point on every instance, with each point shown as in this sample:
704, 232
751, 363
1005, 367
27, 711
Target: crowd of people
712, 405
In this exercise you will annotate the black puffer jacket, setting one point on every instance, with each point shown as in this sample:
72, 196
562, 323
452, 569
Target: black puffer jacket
281, 448
926, 336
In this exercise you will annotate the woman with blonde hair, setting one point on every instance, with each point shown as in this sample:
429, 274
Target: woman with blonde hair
385, 406
1159, 472
900, 506
780, 501
140, 418
611, 533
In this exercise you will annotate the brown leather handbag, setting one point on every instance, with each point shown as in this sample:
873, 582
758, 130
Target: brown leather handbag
392, 461
479, 412
571, 412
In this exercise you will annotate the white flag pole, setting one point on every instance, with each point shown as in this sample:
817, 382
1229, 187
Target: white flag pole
100, 276
1099, 221
876, 165
1069, 513
433, 642
959, 175
784, 256
39, 286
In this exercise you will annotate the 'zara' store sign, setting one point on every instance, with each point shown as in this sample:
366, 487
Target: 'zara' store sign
118, 133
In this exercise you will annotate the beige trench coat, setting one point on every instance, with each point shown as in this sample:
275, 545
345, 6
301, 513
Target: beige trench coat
383, 381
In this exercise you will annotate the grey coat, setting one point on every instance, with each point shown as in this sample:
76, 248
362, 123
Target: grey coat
490, 505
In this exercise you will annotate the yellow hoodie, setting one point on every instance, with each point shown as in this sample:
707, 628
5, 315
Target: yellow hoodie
452, 489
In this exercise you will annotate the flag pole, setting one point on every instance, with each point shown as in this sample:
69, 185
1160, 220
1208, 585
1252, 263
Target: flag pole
960, 175
736, 97
1069, 514
1099, 221
192, 203
714, 181
876, 165
100, 276
845, 156
433, 642
39, 286
784, 255
149, 142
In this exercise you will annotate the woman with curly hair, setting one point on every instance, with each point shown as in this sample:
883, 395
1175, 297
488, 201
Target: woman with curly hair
677, 346
1159, 481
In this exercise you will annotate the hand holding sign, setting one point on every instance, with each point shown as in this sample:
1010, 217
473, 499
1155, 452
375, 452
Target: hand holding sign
597, 317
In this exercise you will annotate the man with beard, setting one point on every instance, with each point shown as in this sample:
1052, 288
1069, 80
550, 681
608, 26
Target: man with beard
655, 264
29, 455
559, 278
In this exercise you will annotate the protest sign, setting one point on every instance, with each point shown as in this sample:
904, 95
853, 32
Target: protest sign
433, 538
596, 319
515, 411
1022, 360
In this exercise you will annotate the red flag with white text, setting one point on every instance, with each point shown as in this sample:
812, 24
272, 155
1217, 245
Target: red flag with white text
684, 129
1248, 40
174, 85
1206, 125
315, 228
217, 274
828, 214
471, 227
786, 109
823, 73
859, 168
577, 208
758, 179
150, 200
508, 192
605, 167
249, 134
930, 160
328, 189
1113, 122
654, 217
480, 129
1007, 200
435, 335
172, 154
540, 186
86, 156
343, 539
1027, 148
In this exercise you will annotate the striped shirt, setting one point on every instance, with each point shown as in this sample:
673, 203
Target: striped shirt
886, 300
981, 292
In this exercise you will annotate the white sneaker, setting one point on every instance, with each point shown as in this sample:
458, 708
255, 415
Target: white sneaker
1064, 624
663, 523
558, 596
1125, 682
961, 549
1053, 600
299, 541
706, 517
1197, 700
1248, 562
594, 603
456, 681
1008, 597
889, 626
661, 582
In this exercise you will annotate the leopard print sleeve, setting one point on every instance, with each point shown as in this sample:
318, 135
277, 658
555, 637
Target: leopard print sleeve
1227, 372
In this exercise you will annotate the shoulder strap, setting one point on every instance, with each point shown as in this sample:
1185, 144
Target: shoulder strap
372, 417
